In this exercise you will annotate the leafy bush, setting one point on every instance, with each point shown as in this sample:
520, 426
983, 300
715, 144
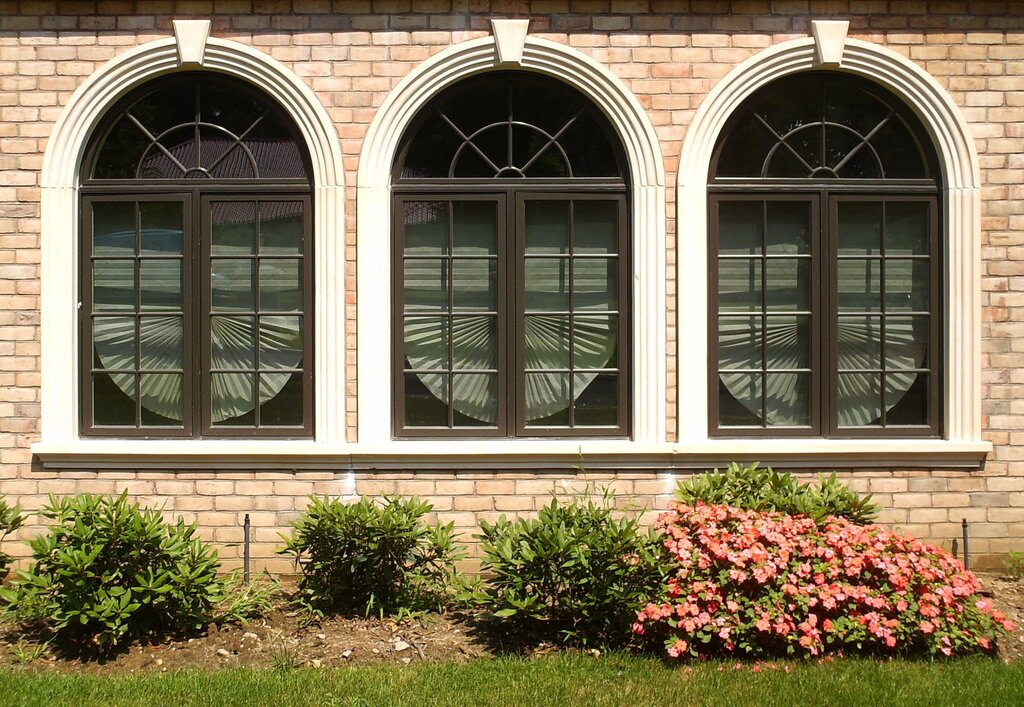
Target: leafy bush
573, 574
767, 584
761, 489
1015, 564
109, 570
367, 557
10, 520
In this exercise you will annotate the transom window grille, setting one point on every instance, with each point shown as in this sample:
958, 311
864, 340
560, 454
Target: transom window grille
511, 266
825, 271
196, 266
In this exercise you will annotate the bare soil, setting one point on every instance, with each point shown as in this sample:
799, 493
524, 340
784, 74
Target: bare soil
280, 640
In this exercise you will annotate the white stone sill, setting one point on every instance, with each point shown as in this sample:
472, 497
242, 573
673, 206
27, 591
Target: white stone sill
510, 454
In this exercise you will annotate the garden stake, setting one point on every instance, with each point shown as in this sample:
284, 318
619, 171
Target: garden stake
967, 559
245, 550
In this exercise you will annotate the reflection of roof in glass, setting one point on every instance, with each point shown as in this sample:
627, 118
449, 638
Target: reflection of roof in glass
198, 127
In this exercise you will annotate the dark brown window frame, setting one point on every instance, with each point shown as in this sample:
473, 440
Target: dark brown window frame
511, 195
513, 185
824, 363
195, 194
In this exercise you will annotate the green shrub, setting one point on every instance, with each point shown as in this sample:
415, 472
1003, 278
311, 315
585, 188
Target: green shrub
1015, 564
575, 574
364, 557
10, 520
109, 571
755, 488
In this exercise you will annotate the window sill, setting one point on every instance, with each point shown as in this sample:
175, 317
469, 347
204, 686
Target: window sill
510, 455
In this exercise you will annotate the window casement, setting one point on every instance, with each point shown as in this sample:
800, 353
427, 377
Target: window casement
825, 273
511, 266
196, 266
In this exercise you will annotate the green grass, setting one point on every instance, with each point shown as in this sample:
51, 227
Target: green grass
561, 680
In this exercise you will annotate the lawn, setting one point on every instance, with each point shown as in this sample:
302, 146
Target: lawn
558, 680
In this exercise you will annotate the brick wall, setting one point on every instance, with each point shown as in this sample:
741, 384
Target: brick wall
669, 54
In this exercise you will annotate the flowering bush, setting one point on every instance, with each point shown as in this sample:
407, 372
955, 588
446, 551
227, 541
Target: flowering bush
762, 584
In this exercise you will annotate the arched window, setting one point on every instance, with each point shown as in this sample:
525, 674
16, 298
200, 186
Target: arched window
511, 265
196, 266
825, 282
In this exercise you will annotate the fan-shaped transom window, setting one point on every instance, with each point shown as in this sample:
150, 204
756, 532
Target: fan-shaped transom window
825, 271
196, 266
511, 265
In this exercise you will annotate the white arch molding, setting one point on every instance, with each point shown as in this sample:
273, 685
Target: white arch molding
59, 227
961, 218
647, 174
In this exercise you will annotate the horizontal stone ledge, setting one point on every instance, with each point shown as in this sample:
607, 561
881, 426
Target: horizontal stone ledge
510, 455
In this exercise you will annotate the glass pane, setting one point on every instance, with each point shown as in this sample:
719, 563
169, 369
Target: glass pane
547, 226
232, 227
859, 342
475, 228
281, 285
161, 284
788, 340
162, 343
596, 227
547, 399
280, 343
788, 283
739, 400
426, 284
899, 151
860, 228
426, 399
232, 342
906, 342
595, 284
740, 227
474, 343
788, 399
231, 285
475, 284
739, 342
907, 284
906, 228
547, 284
281, 227
281, 399
906, 398
860, 285
233, 399
547, 341
162, 404
113, 285
426, 227
162, 230
596, 399
475, 399
789, 227
426, 342
113, 340
595, 341
860, 399
113, 399
119, 155
739, 285
113, 228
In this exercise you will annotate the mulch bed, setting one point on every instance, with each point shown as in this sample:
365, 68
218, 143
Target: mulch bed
281, 641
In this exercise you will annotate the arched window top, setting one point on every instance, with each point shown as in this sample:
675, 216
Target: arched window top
819, 125
510, 125
196, 127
